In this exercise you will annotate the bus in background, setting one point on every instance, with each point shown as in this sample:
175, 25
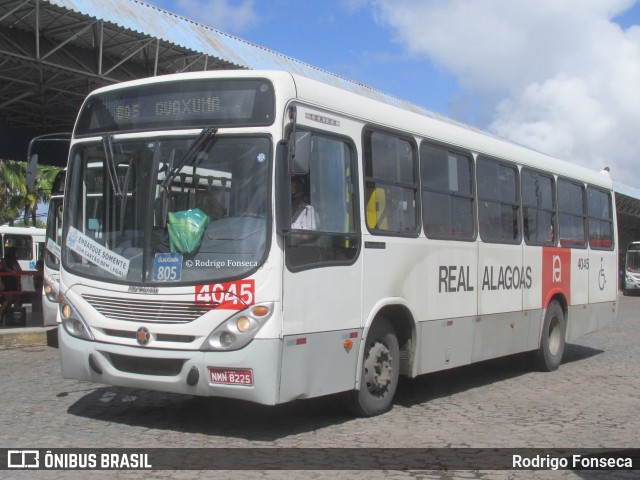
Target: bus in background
632, 269
27, 244
50, 146
51, 271
267, 237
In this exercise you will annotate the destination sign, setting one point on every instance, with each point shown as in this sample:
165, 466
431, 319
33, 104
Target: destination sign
179, 104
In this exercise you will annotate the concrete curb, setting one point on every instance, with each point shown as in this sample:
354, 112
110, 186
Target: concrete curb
28, 337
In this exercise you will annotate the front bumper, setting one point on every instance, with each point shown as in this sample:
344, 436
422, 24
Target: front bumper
173, 370
631, 283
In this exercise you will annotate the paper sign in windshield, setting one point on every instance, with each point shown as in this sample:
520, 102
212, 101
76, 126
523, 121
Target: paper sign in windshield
54, 248
96, 253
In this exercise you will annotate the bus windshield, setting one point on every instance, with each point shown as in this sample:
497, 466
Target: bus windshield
167, 210
633, 258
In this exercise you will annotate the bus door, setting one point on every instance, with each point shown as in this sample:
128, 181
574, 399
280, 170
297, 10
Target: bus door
603, 257
502, 327
322, 273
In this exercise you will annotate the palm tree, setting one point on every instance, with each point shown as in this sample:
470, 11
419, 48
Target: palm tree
12, 189
14, 198
45, 175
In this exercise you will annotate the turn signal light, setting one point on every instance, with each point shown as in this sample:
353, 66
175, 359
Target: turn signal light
260, 310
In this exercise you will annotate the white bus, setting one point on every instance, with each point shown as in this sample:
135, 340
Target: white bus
632, 269
51, 273
27, 243
431, 245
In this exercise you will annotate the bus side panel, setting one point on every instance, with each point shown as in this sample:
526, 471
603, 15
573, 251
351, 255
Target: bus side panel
578, 322
603, 289
579, 277
445, 343
318, 364
502, 278
603, 276
532, 259
447, 274
503, 334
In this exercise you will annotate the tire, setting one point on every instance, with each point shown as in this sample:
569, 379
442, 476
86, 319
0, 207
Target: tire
554, 328
380, 372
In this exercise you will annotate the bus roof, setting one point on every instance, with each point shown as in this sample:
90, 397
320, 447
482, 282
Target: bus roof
7, 229
381, 109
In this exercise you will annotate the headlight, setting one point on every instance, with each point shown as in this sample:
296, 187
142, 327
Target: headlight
238, 331
50, 293
72, 322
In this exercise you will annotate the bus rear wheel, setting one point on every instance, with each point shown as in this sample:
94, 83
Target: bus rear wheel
380, 372
554, 328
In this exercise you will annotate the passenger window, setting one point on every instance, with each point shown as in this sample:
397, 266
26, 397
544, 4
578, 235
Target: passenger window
600, 219
447, 193
498, 205
390, 184
21, 244
571, 214
538, 208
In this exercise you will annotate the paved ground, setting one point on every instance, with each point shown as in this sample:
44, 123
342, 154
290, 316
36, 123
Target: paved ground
593, 400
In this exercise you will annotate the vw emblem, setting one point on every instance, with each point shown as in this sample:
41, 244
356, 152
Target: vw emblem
143, 336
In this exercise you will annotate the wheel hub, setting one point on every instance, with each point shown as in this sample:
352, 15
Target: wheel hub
378, 371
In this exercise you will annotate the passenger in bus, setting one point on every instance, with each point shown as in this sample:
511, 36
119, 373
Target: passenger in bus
303, 215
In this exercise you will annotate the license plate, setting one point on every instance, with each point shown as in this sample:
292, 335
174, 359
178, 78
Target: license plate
229, 376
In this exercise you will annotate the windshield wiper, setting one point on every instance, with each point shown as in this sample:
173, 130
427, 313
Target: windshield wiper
107, 144
202, 139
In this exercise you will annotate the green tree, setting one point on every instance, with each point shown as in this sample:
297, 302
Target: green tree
14, 199
45, 175
12, 190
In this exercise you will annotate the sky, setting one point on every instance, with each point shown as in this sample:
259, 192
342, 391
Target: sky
559, 76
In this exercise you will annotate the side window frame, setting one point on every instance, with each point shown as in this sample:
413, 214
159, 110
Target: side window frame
595, 217
370, 179
449, 193
553, 210
562, 213
483, 201
307, 249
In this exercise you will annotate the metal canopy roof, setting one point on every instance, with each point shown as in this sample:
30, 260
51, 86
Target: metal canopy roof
53, 53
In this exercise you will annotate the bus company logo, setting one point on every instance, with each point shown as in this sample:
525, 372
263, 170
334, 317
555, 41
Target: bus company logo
556, 272
72, 237
557, 269
143, 336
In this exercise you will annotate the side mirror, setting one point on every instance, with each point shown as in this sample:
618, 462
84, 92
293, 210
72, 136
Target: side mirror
300, 153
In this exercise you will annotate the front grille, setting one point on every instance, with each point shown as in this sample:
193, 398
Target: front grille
161, 337
166, 367
157, 311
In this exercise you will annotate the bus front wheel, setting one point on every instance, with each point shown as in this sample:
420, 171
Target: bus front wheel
554, 328
380, 372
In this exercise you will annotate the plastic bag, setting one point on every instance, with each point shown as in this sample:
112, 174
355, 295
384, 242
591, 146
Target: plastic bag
186, 229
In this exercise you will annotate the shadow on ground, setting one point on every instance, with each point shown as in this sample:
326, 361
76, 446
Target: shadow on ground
244, 420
